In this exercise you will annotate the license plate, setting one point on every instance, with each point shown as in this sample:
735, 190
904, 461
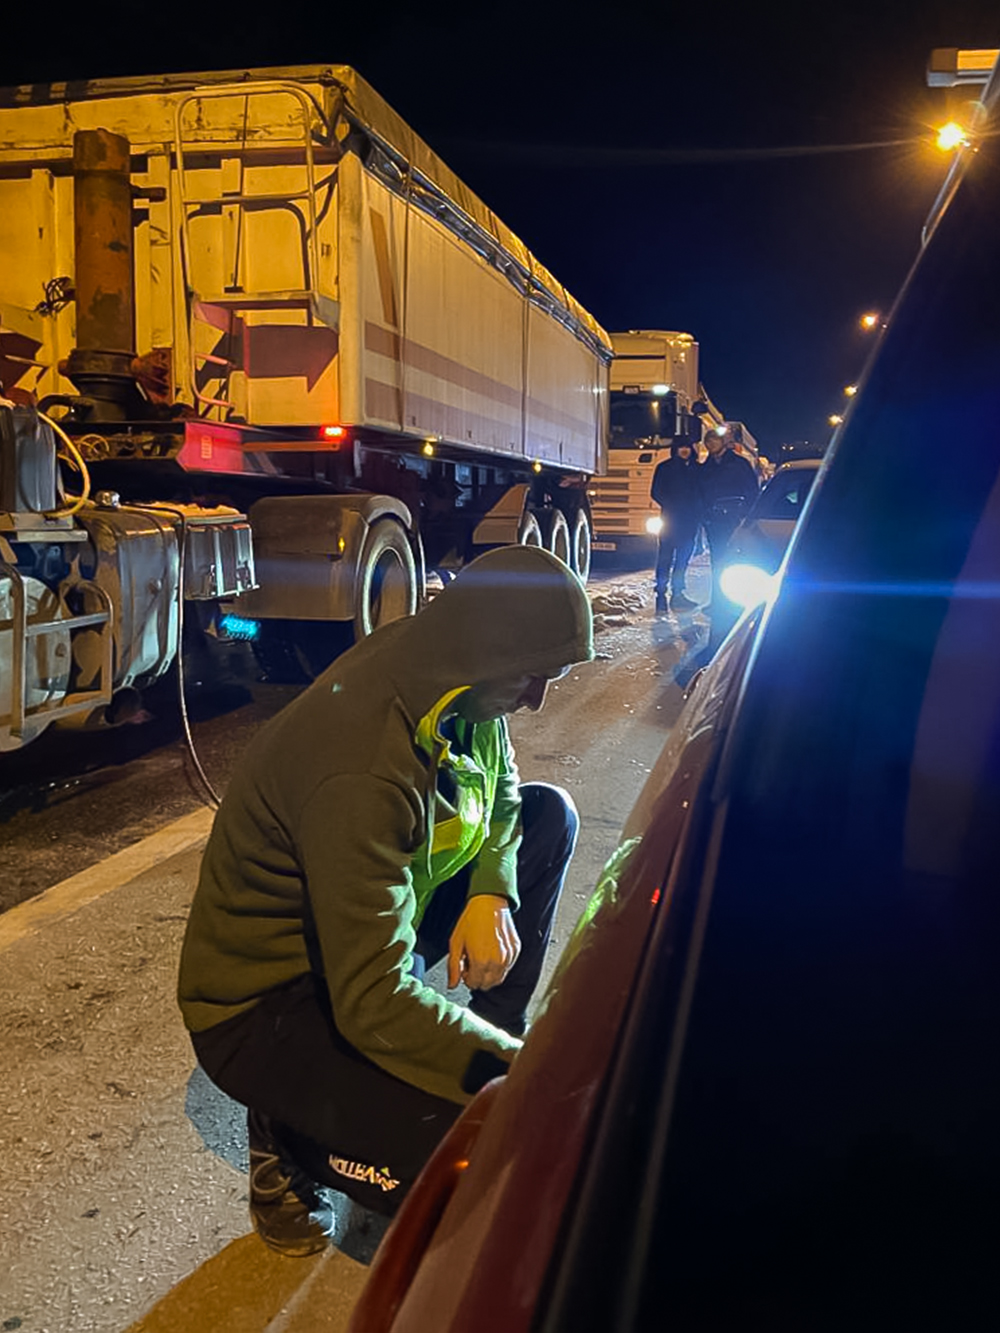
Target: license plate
604, 546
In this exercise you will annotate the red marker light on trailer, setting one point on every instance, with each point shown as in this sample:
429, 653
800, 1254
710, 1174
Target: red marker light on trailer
333, 432
656, 897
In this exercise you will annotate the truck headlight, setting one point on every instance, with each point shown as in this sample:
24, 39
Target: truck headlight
654, 525
746, 585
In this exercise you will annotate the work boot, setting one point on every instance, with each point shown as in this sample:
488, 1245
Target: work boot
287, 1210
680, 602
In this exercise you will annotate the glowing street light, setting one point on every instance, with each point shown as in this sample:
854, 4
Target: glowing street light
835, 419
869, 321
850, 390
951, 136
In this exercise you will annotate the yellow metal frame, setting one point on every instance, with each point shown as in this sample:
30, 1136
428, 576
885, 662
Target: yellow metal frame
83, 700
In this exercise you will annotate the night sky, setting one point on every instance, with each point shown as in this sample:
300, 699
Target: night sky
635, 150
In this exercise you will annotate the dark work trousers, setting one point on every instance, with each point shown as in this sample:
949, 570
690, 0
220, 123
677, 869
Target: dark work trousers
673, 553
344, 1121
719, 528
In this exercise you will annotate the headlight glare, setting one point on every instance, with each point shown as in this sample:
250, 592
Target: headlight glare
746, 585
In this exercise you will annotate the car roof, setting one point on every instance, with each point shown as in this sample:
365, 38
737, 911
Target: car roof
800, 464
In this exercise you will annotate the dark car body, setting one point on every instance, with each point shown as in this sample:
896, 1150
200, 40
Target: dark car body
764, 1091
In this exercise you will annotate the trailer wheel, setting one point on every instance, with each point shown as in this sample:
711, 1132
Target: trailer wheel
530, 531
559, 541
581, 544
386, 589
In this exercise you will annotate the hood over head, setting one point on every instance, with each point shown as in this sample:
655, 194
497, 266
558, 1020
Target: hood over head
515, 610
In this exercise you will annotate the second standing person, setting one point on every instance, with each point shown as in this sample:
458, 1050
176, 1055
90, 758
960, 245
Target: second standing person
728, 487
676, 490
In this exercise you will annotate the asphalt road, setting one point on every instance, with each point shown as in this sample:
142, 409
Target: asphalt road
123, 1170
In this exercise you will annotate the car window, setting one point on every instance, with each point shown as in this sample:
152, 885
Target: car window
832, 1150
784, 495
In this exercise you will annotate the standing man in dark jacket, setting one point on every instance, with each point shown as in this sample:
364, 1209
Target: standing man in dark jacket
728, 487
675, 489
376, 826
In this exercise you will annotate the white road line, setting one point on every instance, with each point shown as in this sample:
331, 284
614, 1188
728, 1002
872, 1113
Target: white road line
71, 894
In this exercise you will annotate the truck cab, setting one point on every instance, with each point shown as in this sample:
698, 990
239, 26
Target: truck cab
654, 391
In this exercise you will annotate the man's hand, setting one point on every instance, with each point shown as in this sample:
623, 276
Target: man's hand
484, 944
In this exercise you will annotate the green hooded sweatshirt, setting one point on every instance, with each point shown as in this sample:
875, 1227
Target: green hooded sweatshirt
333, 834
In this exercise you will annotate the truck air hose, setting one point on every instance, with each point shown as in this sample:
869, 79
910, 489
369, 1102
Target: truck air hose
215, 800
76, 502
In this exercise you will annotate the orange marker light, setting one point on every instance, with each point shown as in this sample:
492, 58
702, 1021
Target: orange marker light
333, 432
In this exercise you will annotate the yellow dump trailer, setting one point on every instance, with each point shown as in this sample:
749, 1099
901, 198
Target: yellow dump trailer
262, 289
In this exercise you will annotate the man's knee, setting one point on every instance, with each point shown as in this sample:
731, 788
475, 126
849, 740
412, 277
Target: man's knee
549, 816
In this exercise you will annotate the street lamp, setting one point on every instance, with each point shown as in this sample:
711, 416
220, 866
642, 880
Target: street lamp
850, 390
869, 321
835, 419
951, 136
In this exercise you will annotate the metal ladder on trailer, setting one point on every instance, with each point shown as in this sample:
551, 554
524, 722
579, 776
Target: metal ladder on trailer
307, 296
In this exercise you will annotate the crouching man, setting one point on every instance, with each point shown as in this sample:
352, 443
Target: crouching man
375, 827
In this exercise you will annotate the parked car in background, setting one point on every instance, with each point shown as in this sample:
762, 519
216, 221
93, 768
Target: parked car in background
763, 1090
758, 544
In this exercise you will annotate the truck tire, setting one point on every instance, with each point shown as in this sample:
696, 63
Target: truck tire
386, 589
559, 540
581, 543
530, 531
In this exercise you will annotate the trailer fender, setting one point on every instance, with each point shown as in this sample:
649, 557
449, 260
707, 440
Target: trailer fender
502, 525
314, 552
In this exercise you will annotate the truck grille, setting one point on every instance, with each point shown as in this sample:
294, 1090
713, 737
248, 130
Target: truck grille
620, 502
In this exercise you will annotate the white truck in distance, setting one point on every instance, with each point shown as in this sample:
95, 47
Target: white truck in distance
297, 363
654, 387
657, 400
